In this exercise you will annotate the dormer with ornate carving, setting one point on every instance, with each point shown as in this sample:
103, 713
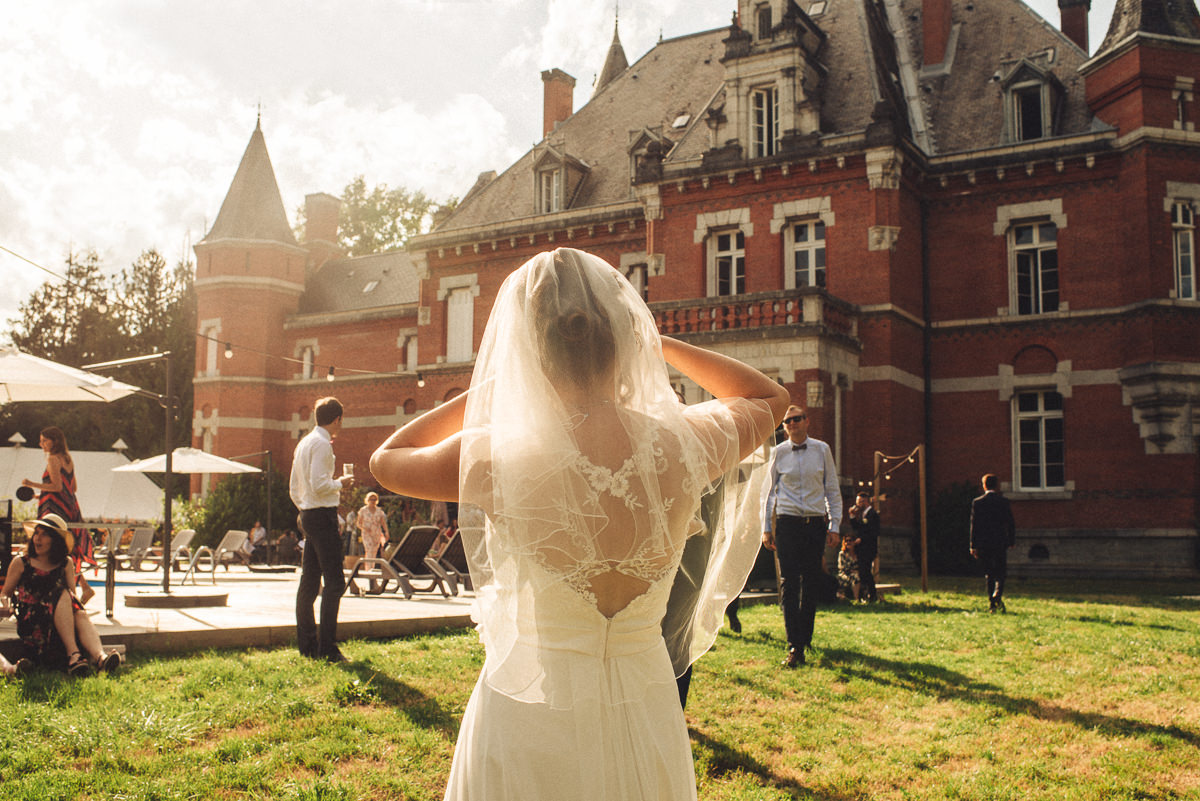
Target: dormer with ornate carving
557, 177
773, 78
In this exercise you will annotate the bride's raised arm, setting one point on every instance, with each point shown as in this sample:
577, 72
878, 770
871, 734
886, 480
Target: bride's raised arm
420, 460
726, 378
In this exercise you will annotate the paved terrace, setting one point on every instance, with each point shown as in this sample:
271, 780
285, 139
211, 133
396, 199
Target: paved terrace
261, 612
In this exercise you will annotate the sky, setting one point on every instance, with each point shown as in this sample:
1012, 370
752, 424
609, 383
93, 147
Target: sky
122, 122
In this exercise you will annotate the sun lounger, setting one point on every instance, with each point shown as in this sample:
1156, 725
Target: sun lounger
181, 544
231, 542
131, 557
451, 564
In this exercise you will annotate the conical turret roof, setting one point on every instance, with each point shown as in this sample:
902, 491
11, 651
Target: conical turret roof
1176, 18
614, 64
253, 208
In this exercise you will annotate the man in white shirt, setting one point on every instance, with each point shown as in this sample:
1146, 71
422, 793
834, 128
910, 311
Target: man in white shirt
316, 494
802, 515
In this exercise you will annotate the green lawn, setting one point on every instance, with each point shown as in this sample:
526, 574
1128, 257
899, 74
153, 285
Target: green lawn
1085, 690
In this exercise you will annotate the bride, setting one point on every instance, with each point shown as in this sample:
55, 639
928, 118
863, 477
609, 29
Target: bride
589, 472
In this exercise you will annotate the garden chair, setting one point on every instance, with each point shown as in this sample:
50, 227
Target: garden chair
231, 542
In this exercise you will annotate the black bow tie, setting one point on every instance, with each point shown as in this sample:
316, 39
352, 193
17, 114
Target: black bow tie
802, 446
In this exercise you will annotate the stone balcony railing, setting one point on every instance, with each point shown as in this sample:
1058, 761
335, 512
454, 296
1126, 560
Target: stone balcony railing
808, 306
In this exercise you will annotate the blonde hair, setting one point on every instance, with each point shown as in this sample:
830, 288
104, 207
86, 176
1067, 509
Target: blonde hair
371, 495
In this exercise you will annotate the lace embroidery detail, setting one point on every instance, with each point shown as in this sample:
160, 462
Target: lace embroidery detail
653, 558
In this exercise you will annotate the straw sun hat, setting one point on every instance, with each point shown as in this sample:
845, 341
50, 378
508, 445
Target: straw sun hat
54, 523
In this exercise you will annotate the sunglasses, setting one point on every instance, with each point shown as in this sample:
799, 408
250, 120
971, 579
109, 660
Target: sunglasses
796, 418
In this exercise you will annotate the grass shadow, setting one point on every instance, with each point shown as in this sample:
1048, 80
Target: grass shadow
423, 710
933, 680
724, 759
1106, 621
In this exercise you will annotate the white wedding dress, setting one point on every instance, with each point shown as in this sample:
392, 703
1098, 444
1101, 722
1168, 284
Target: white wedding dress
588, 508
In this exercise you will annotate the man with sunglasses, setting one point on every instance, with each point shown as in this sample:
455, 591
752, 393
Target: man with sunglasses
802, 515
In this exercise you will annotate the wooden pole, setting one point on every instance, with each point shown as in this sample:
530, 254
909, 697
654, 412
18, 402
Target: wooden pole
924, 521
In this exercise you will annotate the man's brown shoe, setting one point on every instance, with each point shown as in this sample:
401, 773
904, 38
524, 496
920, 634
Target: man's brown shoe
795, 658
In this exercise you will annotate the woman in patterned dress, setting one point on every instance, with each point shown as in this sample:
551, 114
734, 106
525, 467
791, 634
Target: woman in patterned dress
373, 525
58, 496
54, 629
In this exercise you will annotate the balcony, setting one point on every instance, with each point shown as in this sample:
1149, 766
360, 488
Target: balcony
761, 310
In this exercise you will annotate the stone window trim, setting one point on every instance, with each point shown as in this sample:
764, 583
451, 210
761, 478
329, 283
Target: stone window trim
799, 210
211, 329
1185, 194
307, 370
735, 254
1007, 219
708, 222
1184, 95
452, 282
405, 338
764, 118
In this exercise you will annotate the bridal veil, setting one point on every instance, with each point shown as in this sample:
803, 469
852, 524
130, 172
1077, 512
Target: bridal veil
594, 477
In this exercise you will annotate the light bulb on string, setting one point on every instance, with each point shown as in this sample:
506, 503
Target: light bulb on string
420, 380
329, 376
228, 350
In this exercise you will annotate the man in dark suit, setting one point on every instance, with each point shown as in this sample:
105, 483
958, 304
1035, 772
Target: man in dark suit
864, 518
993, 532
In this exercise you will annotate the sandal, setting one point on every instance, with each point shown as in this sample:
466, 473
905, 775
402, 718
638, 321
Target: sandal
77, 665
108, 662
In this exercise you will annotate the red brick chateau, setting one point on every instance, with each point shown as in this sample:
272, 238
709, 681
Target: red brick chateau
934, 221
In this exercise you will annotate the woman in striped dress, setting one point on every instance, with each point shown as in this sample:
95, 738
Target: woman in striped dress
58, 496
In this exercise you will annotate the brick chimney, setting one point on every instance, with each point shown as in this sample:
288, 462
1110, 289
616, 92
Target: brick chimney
1075, 20
935, 22
321, 227
558, 90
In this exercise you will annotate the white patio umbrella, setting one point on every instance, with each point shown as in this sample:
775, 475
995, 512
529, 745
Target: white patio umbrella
186, 460
29, 378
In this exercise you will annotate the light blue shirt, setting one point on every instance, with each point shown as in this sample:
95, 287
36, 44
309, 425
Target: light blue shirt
312, 485
803, 483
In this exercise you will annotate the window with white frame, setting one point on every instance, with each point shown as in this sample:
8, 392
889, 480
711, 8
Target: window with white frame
805, 245
727, 257
550, 191
1034, 248
460, 323
1183, 239
1039, 440
764, 122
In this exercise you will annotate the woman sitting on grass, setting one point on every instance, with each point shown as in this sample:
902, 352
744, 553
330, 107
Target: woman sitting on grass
51, 623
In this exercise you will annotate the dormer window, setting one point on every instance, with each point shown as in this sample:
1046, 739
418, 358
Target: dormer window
550, 191
1031, 101
762, 15
1029, 119
556, 178
764, 121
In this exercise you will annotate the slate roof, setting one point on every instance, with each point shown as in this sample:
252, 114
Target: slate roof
965, 109
676, 77
340, 283
1163, 17
253, 208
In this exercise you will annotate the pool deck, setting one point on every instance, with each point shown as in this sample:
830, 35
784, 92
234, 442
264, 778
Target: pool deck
260, 611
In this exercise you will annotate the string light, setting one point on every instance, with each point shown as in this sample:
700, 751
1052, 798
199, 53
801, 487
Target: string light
330, 376
420, 380
228, 351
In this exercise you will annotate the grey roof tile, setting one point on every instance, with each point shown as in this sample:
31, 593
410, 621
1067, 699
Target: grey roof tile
360, 283
253, 208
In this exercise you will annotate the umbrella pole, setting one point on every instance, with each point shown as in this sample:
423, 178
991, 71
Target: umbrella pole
166, 552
